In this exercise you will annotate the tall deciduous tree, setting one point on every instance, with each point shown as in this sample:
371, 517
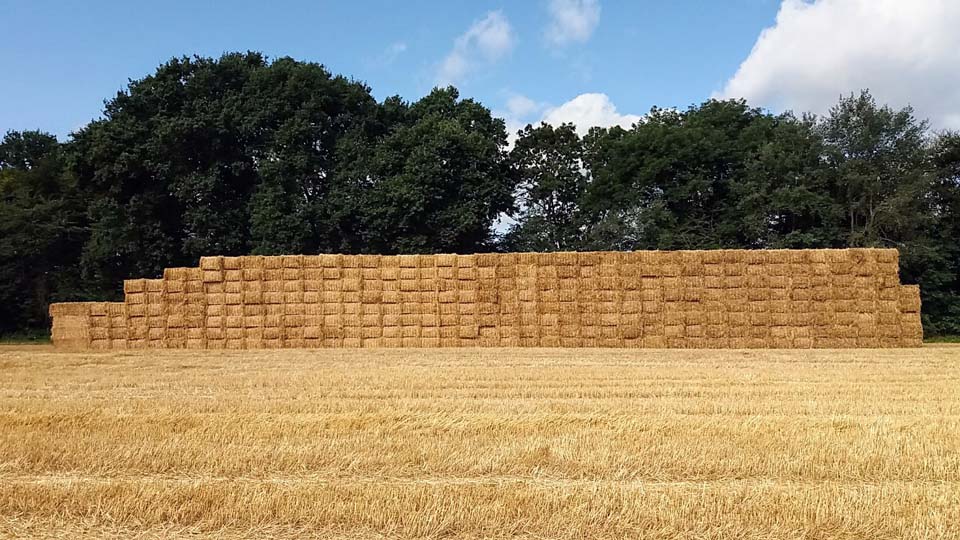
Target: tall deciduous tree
553, 179
433, 181
229, 156
879, 155
41, 231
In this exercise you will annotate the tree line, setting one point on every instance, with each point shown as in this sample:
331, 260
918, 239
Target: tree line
239, 155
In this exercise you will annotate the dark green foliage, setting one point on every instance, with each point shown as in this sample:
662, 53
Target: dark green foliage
433, 181
553, 181
42, 230
243, 155
723, 175
213, 156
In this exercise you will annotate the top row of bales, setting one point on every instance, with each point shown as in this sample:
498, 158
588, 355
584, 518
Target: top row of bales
655, 258
860, 262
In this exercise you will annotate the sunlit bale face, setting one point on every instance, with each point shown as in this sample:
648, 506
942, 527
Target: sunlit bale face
645, 299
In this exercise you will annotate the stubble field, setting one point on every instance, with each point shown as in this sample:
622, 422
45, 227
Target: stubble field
489, 443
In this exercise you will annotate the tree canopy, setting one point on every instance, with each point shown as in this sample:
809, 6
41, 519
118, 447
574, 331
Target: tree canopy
241, 154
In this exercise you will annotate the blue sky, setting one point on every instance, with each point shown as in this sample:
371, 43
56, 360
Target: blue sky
590, 61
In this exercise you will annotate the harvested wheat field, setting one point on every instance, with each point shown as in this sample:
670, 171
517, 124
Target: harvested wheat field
480, 443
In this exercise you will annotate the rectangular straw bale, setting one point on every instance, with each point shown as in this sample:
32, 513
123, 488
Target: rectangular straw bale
135, 286
568, 272
407, 261
211, 263
484, 260
311, 261
369, 261
230, 263
566, 259
527, 259
909, 299
326, 261
446, 260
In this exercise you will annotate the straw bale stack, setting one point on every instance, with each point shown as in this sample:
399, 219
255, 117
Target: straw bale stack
722, 298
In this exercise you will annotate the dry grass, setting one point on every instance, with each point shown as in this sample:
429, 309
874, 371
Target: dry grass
480, 443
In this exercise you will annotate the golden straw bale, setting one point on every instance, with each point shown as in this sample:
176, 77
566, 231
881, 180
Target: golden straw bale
566, 259
466, 273
428, 273
447, 285
712, 257
887, 256
327, 260
866, 269
231, 263
407, 261
548, 301
446, 260
311, 261
909, 299
232, 275
211, 263
486, 272
485, 259
568, 272
192, 274
369, 261
193, 287
524, 259
350, 285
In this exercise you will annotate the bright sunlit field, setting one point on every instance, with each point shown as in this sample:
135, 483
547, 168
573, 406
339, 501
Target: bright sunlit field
488, 443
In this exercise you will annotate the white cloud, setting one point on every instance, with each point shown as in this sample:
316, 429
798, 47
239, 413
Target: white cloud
590, 110
521, 106
584, 111
518, 112
572, 21
906, 53
485, 42
393, 51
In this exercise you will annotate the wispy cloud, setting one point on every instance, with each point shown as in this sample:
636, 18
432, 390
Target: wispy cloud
486, 41
393, 51
572, 21
520, 106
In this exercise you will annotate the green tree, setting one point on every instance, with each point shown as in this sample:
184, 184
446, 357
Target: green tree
433, 181
941, 287
668, 183
880, 159
230, 155
552, 178
783, 199
886, 185
41, 232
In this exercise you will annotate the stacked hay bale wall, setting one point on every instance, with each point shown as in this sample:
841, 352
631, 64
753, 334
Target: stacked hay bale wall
655, 299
